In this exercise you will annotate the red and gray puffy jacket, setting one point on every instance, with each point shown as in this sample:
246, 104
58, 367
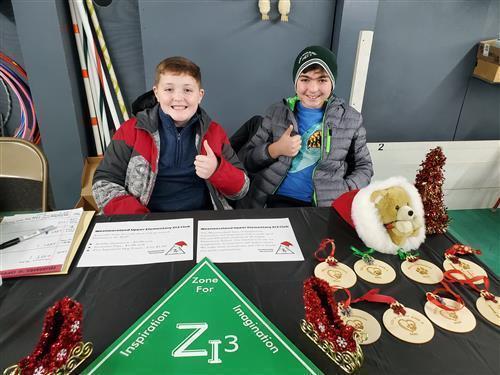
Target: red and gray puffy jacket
124, 181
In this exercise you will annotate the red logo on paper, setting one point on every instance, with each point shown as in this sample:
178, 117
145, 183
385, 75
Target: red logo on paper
284, 248
177, 248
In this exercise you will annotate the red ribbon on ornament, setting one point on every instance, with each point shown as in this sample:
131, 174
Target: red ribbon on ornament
470, 281
434, 298
460, 249
373, 296
345, 304
330, 259
409, 256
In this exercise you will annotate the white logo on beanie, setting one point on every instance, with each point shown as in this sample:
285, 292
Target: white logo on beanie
306, 55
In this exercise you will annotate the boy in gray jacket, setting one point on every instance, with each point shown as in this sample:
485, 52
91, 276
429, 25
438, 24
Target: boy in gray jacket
310, 148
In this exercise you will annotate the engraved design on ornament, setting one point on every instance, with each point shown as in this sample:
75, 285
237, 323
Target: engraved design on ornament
422, 270
376, 271
408, 325
335, 274
451, 315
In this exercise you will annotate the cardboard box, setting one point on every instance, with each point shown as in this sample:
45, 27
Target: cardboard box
86, 200
488, 51
487, 71
488, 62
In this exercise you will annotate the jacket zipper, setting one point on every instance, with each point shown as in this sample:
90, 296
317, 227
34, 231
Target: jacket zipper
177, 148
326, 147
315, 199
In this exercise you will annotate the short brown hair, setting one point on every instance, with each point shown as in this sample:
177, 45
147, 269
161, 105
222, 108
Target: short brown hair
178, 65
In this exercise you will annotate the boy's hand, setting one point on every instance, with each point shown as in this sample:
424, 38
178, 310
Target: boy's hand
205, 165
287, 145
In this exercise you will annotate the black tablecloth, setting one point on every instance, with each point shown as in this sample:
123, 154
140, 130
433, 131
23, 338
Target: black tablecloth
115, 297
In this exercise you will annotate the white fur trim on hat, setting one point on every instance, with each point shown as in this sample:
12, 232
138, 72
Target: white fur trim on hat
367, 220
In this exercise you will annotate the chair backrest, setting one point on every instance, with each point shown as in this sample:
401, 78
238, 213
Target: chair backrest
22, 159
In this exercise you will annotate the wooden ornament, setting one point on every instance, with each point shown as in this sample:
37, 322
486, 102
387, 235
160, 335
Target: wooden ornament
422, 271
489, 309
367, 327
412, 327
468, 268
462, 320
375, 271
338, 275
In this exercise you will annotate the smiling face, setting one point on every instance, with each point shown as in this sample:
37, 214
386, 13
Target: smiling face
179, 96
314, 88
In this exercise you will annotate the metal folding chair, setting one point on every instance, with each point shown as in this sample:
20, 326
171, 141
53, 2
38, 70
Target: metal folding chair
22, 159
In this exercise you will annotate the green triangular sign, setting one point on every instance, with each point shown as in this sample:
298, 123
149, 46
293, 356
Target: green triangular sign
203, 325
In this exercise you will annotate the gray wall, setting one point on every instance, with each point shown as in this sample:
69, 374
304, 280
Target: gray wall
419, 83
480, 115
246, 63
351, 17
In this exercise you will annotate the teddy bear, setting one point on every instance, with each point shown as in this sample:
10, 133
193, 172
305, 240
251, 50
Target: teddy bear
387, 215
396, 213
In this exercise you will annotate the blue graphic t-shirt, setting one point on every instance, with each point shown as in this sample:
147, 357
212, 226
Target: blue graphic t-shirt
298, 182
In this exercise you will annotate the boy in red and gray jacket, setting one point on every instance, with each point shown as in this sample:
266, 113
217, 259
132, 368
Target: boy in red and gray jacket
172, 156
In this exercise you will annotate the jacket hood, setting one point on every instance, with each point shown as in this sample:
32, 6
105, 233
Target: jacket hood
146, 108
145, 101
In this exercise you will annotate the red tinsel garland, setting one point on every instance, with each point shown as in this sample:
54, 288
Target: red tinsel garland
429, 183
62, 330
322, 312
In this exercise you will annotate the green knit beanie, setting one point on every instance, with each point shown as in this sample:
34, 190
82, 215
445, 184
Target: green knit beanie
315, 55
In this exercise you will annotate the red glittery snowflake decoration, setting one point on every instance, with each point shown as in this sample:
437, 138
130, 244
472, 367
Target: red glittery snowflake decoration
429, 183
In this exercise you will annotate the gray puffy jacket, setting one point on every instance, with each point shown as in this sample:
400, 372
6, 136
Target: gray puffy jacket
344, 165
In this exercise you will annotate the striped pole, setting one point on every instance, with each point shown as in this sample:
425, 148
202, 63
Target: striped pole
91, 47
97, 93
97, 74
95, 88
107, 59
85, 76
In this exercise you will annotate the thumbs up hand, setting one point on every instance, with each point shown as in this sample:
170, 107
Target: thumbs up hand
205, 165
287, 145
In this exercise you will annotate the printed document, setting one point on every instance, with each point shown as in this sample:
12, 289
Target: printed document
255, 240
47, 253
139, 242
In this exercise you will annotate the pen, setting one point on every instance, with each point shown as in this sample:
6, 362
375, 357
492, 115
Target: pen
15, 241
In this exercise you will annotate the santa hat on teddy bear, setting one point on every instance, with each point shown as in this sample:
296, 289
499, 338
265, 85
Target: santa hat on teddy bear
357, 209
